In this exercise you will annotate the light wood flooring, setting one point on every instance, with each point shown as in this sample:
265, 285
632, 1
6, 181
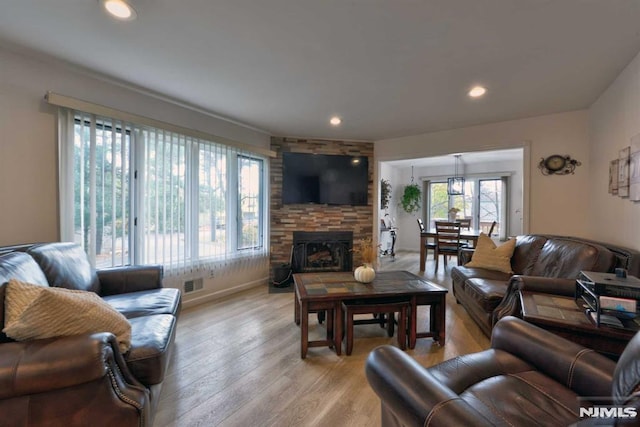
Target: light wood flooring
237, 362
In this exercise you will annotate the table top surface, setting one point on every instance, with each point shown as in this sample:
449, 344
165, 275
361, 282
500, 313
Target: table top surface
562, 311
343, 285
463, 233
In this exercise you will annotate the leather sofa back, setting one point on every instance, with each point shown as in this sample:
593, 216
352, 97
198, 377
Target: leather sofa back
65, 265
559, 256
19, 266
526, 253
566, 258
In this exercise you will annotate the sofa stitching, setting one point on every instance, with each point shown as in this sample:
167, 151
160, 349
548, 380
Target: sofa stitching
574, 362
490, 407
435, 409
440, 405
530, 384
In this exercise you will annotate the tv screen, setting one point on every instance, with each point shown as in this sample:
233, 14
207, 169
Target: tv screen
324, 179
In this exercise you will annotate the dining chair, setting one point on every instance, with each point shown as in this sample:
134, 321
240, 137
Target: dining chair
493, 225
447, 241
427, 244
465, 223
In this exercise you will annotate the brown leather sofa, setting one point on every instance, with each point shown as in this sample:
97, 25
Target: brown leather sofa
529, 377
541, 263
84, 380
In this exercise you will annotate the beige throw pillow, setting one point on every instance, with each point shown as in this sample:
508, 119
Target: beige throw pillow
33, 312
488, 255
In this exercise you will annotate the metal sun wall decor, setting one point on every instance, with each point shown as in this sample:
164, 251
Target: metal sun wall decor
558, 165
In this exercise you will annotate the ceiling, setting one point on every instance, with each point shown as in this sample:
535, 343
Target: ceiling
475, 157
389, 68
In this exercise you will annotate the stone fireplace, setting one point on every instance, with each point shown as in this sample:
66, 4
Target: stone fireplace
288, 219
317, 251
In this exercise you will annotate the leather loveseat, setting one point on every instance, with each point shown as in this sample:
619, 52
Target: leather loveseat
84, 380
541, 263
529, 377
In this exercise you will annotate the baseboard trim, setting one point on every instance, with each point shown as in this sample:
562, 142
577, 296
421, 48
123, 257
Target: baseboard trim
201, 299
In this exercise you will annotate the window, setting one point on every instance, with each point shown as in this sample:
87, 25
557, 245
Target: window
143, 195
483, 201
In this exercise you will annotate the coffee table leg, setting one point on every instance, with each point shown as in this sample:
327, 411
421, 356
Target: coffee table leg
304, 329
296, 308
337, 327
437, 321
441, 309
412, 324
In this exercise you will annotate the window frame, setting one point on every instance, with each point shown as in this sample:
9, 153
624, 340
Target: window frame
137, 253
475, 200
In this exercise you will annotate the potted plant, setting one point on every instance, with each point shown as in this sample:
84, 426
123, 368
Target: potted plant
385, 193
410, 201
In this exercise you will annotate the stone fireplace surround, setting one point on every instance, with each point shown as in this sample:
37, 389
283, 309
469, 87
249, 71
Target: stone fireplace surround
285, 219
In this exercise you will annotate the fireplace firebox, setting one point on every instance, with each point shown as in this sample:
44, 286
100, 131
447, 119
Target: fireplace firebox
317, 251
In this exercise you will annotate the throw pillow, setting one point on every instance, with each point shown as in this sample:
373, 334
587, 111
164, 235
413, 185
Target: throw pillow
33, 312
491, 257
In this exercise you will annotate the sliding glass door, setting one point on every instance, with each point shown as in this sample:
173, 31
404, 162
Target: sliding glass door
490, 205
483, 202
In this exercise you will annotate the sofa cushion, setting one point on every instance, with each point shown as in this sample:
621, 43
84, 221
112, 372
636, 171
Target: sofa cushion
34, 312
487, 293
461, 273
526, 252
66, 265
19, 266
151, 339
144, 303
566, 258
492, 257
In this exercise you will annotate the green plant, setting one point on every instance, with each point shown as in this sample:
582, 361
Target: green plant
410, 201
385, 193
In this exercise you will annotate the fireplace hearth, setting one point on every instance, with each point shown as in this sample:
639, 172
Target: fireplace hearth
319, 251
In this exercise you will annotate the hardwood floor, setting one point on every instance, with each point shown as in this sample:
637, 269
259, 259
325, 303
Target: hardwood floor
237, 362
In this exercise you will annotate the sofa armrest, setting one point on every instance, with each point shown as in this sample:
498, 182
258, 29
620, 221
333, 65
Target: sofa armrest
547, 285
73, 380
413, 394
583, 370
42, 365
510, 304
120, 280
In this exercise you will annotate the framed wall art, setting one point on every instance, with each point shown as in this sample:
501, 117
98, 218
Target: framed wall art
634, 169
613, 177
623, 172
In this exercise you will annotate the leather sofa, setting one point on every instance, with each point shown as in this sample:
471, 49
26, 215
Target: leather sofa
529, 377
83, 380
541, 263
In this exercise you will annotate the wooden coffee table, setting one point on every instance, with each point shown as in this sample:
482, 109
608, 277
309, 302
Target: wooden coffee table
566, 317
326, 291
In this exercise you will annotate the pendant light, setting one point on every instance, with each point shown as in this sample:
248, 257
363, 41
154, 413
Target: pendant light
455, 184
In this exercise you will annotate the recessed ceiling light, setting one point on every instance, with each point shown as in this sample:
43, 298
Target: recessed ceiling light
335, 120
119, 9
477, 91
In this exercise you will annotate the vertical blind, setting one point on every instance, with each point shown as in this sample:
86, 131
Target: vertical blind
132, 193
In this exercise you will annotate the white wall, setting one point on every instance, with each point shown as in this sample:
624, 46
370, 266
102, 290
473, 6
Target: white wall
28, 146
556, 203
613, 119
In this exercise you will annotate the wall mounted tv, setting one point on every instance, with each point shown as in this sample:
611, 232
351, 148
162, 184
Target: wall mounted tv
324, 179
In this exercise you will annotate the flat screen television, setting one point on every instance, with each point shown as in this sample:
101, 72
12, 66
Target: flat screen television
324, 179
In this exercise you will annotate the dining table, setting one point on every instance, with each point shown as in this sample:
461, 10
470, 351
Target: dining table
470, 235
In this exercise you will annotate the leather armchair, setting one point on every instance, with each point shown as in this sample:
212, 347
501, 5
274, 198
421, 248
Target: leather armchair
529, 377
